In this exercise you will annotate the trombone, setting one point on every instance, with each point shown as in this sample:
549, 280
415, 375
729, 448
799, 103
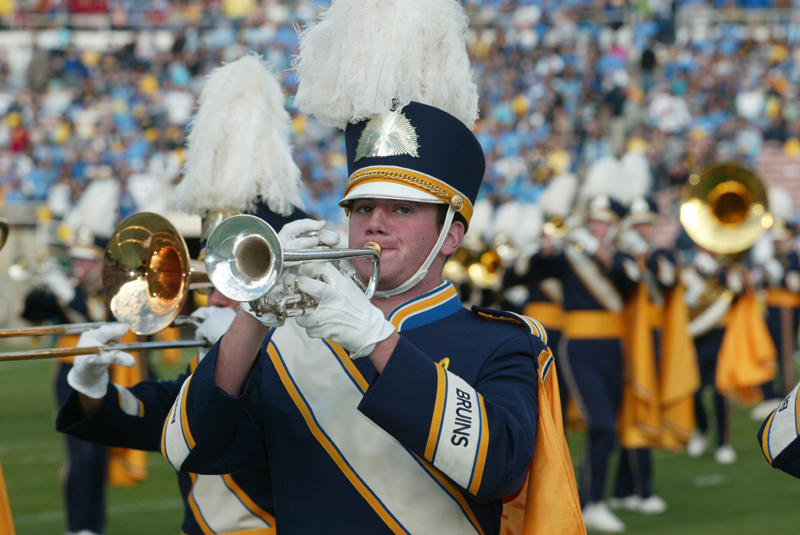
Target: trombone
4, 230
74, 351
79, 328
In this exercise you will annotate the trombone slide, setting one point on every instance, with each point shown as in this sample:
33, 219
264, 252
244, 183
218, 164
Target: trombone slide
74, 351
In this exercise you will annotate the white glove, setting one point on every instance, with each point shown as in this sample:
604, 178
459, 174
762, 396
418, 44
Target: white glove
344, 313
706, 263
216, 321
585, 238
292, 237
89, 373
632, 242
775, 272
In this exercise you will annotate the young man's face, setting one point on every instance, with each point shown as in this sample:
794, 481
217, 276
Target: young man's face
405, 230
645, 230
598, 228
216, 299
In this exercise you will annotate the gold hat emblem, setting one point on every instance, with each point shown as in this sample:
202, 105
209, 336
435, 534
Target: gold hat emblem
390, 134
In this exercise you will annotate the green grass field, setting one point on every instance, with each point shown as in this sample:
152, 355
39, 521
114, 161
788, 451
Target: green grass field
745, 498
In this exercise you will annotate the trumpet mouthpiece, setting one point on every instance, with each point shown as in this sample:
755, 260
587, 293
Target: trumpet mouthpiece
374, 245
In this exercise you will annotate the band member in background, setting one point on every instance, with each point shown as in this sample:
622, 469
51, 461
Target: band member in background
107, 413
634, 486
596, 280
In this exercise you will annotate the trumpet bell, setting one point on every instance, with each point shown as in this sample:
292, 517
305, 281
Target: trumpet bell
244, 258
725, 208
147, 273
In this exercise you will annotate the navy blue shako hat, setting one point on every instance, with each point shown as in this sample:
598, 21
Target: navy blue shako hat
421, 154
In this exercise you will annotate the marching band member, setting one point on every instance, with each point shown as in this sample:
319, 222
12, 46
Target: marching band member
779, 438
545, 299
634, 486
78, 299
214, 183
408, 412
778, 266
596, 280
710, 290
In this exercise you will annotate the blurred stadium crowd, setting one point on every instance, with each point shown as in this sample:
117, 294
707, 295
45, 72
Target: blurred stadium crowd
561, 87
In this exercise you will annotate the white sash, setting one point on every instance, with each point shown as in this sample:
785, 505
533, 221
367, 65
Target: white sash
392, 479
594, 279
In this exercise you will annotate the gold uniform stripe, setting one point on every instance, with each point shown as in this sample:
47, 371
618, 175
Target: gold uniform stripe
325, 442
551, 315
184, 422
415, 179
483, 449
780, 298
349, 365
248, 501
438, 412
403, 314
164, 438
765, 438
196, 510
593, 325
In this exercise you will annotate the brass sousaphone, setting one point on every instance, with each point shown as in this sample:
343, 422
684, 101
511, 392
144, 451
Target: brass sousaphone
725, 208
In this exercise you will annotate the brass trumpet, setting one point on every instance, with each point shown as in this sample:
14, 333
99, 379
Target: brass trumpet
245, 260
4, 229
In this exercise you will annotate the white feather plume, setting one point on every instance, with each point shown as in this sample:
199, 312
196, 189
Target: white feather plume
528, 230
506, 218
635, 181
780, 203
238, 145
481, 219
558, 197
363, 55
599, 178
98, 208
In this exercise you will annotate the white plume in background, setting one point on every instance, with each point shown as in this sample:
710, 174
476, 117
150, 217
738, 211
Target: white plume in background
238, 145
599, 178
98, 208
479, 225
506, 219
528, 230
780, 203
558, 197
363, 55
635, 181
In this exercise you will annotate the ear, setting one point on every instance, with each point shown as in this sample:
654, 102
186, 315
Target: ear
454, 238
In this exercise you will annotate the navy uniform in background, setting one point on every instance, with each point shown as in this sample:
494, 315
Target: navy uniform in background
59, 299
596, 281
134, 418
781, 275
711, 290
634, 485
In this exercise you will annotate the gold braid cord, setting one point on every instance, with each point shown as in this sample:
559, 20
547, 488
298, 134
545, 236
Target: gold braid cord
400, 177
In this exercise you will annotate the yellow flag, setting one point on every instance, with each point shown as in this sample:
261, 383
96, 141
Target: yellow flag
127, 467
747, 355
678, 372
548, 502
6, 523
639, 422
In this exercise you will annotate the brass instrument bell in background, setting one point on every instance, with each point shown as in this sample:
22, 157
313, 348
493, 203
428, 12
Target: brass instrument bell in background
725, 209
